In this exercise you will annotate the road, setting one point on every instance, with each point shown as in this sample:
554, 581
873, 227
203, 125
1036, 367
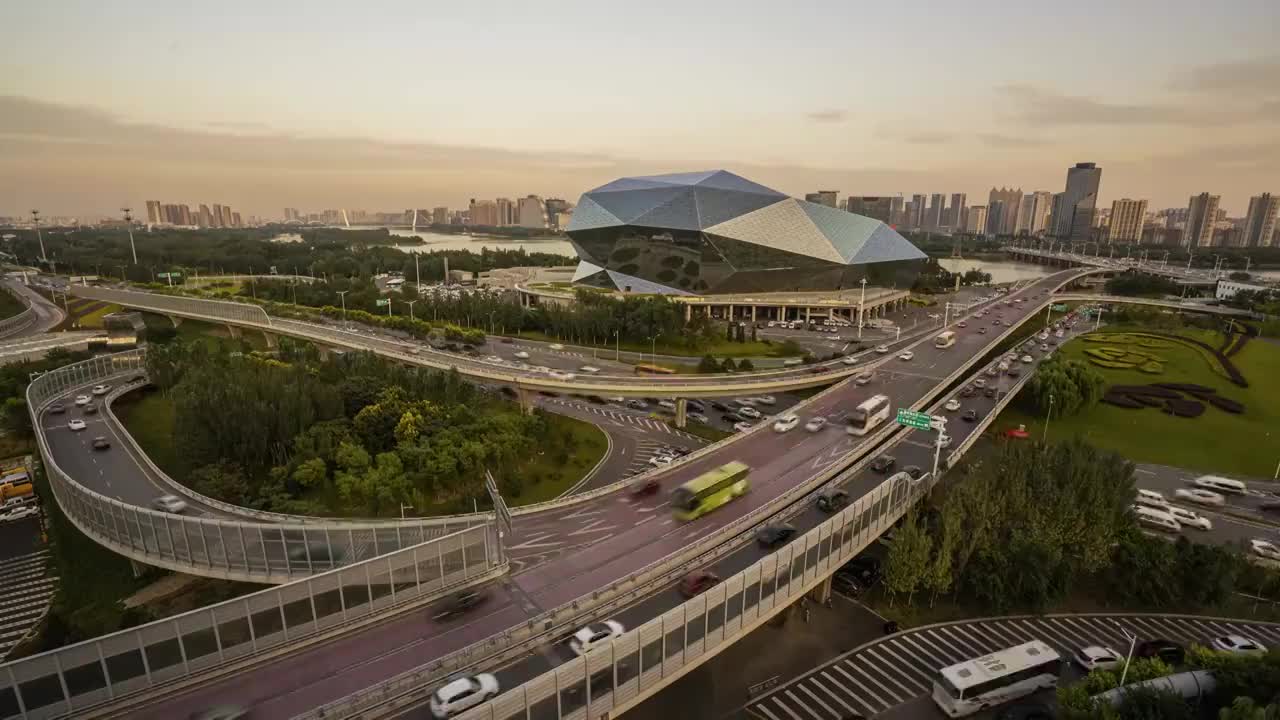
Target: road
48, 314
893, 677
1228, 527
566, 553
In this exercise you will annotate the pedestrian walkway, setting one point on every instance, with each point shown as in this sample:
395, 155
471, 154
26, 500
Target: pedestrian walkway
26, 589
894, 670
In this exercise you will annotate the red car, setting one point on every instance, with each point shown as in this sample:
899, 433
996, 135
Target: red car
1019, 433
698, 582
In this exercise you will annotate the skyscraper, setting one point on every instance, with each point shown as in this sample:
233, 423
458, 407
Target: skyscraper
1127, 217
954, 216
976, 220
506, 212
1074, 207
1033, 213
1007, 220
235, 220
531, 213
1260, 222
153, 212
1202, 213
933, 218
879, 207
484, 213
206, 217
440, 216
823, 197
915, 212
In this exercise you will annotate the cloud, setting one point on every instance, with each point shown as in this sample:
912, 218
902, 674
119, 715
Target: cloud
826, 116
1257, 76
997, 140
927, 138
1033, 106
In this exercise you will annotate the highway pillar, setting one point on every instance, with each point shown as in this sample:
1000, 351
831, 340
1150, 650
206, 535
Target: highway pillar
271, 340
682, 408
822, 592
525, 396
324, 352
753, 314
806, 315
688, 312
731, 309
233, 331
175, 320
137, 567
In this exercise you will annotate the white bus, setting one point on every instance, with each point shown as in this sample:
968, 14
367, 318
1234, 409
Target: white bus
868, 415
1156, 519
945, 339
967, 687
1221, 484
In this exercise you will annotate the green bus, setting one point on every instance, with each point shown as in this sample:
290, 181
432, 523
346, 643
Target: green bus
710, 490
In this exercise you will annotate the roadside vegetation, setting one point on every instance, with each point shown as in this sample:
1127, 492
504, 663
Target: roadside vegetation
9, 305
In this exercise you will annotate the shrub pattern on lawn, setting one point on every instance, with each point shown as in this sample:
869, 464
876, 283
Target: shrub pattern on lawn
1107, 356
1116, 358
1170, 398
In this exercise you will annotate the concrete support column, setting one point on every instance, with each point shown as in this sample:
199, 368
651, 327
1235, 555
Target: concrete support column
682, 408
137, 567
177, 321
730, 311
271, 340
323, 351
823, 591
525, 396
233, 330
753, 314
807, 316
688, 312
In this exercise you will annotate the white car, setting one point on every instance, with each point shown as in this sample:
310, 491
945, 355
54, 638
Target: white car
560, 375
742, 426
1189, 517
815, 424
462, 694
1265, 548
668, 404
747, 411
19, 512
1097, 657
1202, 497
595, 635
170, 504
556, 346
521, 355
952, 405
698, 418
1027, 359
786, 422
77, 424
493, 359
907, 355
850, 360
83, 399
766, 400
100, 389
589, 369
661, 460
1238, 644
980, 383
749, 402
862, 379
882, 349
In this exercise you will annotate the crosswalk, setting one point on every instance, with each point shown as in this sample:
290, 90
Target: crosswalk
26, 589
639, 421
899, 668
645, 449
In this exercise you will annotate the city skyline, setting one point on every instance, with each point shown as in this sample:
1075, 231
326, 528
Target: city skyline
183, 112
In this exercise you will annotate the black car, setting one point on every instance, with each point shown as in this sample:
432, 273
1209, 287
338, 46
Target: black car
731, 418
101, 443
860, 573
90, 409
506, 341
720, 406
884, 463
968, 391
458, 604
1013, 371
1170, 652
914, 471
57, 408
989, 392
775, 534
548, 393
695, 406
596, 399
1272, 506
970, 416
832, 500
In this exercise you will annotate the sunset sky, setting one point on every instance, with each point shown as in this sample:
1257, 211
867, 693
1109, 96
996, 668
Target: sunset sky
391, 105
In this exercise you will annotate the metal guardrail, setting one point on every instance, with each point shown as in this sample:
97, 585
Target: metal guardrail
254, 552
127, 667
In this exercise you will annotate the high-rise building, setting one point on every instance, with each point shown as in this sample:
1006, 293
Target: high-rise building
292, 215
217, 217
483, 213
1202, 213
879, 207
1259, 228
915, 212
976, 220
1033, 213
440, 216
1007, 218
531, 213
823, 197
1127, 218
954, 215
555, 208
506, 212
206, 217
153, 212
933, 216
1075, 207
235, 220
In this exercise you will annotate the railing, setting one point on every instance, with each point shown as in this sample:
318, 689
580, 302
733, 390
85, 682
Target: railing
254, 552
126, 667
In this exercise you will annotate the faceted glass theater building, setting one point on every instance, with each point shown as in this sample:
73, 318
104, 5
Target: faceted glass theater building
715, 232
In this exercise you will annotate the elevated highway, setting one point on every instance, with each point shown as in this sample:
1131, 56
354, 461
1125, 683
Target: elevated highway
590, 555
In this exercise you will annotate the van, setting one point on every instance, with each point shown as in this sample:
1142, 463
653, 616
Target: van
1156, 519
1220, 484
1151, 498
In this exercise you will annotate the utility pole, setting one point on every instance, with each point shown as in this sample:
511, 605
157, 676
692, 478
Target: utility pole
35, 220
342, 295
128, 223
410, 304
1048, 414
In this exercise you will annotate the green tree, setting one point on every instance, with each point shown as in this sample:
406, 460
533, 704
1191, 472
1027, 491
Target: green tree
221, 481
14, 418
1246, 708
746, 365
310, 473
908, 560
708, 364
1141, 703
729, 365
940, 575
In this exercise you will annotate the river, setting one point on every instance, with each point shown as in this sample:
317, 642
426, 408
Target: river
445, 241
1002, 271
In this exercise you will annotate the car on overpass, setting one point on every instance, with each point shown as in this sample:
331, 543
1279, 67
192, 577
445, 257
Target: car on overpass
463, 694
595, 635
76, 424
170, 504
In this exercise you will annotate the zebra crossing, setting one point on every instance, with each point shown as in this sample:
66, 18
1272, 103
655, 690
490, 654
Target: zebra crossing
889, 672
644, 423
645, 449
26, 589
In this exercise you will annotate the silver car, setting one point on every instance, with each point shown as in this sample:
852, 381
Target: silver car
170, 504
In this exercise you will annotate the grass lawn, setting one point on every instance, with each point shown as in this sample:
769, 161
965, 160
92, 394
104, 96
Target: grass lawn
1216, 441
10, 305
719, 349
93, 319
148, 416
706, 432
589, 445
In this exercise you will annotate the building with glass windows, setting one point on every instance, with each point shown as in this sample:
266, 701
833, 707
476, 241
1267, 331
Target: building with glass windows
714, 232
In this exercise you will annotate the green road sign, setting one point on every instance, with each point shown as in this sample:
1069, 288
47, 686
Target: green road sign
917, 420
384, 302
1059, 308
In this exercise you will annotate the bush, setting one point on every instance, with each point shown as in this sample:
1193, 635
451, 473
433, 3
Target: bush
1184, 408
708, 364
746, 365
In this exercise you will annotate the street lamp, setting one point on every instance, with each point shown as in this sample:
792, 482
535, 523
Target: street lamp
123, 277
617, 346
1048, 413
35, 220
862, 303
1133, 640
128, 223
1098, 324
404, 507
653, 348
342, 295
410, 304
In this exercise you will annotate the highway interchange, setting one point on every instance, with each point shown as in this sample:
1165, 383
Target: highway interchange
561, 554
